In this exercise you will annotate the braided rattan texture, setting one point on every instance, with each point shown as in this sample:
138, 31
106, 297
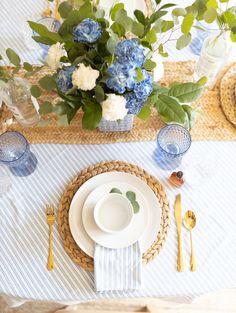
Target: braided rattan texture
76, 254
211, 123
227, 94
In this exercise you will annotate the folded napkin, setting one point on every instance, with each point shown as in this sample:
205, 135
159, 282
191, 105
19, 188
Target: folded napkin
117, 269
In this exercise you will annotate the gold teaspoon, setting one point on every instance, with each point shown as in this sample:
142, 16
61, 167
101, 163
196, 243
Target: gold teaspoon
190, 223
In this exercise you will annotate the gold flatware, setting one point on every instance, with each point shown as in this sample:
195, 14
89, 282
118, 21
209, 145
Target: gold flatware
50, 222
190, 223
178, 219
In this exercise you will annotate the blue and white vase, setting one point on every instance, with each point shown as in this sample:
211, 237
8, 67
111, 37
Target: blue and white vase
117, 126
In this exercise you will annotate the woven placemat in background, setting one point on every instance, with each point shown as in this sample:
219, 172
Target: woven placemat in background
211, 124
77, 254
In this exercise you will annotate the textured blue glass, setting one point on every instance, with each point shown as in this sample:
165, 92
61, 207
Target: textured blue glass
15, 153
173, 141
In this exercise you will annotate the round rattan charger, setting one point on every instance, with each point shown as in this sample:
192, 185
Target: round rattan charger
76, 254
227, 94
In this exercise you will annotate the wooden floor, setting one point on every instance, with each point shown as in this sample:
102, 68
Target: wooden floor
218, 302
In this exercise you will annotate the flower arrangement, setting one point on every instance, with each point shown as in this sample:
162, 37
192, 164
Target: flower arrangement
107, 67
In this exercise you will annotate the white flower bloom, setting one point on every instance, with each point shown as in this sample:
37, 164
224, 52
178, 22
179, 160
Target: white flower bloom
158, 71
113, 108
85, 77
55, 53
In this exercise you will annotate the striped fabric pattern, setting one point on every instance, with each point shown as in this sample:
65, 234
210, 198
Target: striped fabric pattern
118, 269
24, 231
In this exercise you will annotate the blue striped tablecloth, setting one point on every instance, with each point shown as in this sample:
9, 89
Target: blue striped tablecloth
24, 232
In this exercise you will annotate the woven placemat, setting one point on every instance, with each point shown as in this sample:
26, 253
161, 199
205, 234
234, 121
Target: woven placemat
227, 94
211, 124
76, 254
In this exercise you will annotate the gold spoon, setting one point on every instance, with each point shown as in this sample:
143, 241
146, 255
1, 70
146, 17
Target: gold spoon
190, 223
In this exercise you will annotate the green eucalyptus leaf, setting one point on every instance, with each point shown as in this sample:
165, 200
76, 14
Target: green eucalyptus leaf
47, 83
61, 108
228, 16
35, 91
135, 206
167, 25
156, 15
100, 13
144, 113
92, 115
183, 41
140, 16
212, 4
137, 29
224, 1
13, 57
115, 9
131, 196
161, 51
116, 190
123, 19
210, 15
28, 67
179, 12
64, 9
202, 81
46, 108
151, 36
63, 120
99, 93
149, 65
43, 123
170, 109
187, 23
191, 116
186, 92
158, 2
118, 29
111, 45
139, 74
233, 36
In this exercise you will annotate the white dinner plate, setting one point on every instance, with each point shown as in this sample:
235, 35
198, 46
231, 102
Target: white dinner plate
75, 213
124, 238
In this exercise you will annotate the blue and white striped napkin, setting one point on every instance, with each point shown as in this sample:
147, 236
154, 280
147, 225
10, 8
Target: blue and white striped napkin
118, 269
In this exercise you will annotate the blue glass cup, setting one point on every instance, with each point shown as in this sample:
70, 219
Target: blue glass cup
173, 141
15, 153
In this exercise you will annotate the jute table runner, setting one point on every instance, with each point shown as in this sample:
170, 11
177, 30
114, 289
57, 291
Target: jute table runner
211, 124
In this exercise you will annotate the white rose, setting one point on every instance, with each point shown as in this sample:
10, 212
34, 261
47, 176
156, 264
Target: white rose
85, 77
158, 71
55, 53
113, 108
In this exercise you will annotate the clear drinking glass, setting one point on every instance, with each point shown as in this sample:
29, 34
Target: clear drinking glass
173, 141
5, 180
15, 153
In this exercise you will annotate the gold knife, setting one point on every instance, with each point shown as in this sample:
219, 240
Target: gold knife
178, 219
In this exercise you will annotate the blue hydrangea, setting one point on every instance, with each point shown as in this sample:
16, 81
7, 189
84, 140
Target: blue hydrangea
122, 76
130, 51
88, 31
144, 88
133, 104
64, 79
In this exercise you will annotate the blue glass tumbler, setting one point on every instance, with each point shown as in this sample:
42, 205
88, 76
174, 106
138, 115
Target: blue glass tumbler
173, 141
15, 153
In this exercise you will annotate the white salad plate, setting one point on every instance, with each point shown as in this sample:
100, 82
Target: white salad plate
81, 237
126, 237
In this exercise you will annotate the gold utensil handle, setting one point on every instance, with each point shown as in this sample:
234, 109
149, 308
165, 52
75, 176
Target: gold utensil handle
192, 256
180, 260
50, 264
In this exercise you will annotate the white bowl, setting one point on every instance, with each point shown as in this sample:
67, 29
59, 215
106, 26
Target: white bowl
113, 213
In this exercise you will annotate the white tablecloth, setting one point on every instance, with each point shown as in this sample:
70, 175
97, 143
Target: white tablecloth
24, 232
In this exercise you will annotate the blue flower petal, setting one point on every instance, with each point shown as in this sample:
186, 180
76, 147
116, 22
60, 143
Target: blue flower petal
88, 31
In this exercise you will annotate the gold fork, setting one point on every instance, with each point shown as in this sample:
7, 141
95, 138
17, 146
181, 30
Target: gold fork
50, 222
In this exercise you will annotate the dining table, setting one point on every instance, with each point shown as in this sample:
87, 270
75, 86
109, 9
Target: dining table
209, 192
